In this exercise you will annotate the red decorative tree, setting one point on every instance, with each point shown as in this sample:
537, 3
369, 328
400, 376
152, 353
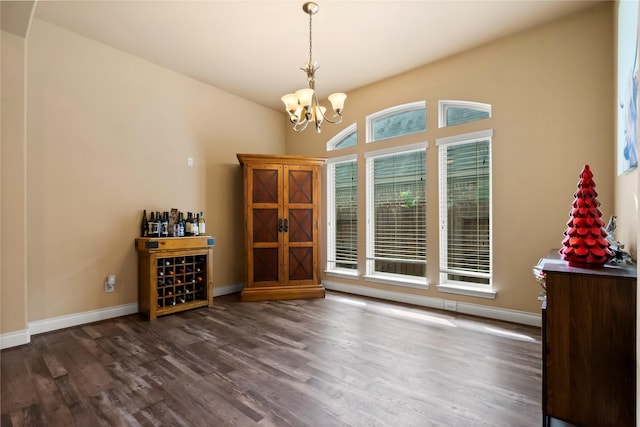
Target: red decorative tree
585, 243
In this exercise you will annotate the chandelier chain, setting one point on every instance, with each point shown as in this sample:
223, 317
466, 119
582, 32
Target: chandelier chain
310, 40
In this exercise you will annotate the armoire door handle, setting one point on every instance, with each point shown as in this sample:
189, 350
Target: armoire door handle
280, 225
286, 225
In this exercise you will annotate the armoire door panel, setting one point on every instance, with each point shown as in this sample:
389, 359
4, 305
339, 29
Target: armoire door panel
266, 184
300, 186
266, 266
300, 225
301, 263
265, 225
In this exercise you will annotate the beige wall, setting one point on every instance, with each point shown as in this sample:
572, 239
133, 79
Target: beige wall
109, 135
551, 89
13, 278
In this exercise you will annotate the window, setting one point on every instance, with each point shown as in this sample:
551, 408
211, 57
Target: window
458, 112
465, 213
397, 121
395, 240
396, 215
342, 215
348, 137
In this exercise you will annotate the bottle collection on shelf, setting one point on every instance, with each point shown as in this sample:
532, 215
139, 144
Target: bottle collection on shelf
172, 224
181, 280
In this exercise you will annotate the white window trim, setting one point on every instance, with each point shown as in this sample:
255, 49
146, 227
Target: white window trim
371, 275
389, 112
338, 272
444, 104
398, 280
456, 287
331, 144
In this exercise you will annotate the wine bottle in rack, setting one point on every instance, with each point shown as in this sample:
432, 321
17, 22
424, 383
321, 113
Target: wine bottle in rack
201, 224
144, 226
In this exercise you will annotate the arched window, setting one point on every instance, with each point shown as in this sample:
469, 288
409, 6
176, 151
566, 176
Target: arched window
397, 121
348, 137
457, 112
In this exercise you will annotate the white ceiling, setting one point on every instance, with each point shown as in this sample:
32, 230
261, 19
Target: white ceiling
254, 49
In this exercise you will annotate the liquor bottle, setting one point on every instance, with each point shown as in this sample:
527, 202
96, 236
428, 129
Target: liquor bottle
158, 225
201, 228
188, 225
180, 225
164, 232
153, 226
194, 227
144, 226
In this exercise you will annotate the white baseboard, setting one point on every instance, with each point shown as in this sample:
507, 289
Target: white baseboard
60, 322
507, 315
13, 339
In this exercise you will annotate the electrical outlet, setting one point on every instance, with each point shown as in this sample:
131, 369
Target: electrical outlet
450, 305
110, 283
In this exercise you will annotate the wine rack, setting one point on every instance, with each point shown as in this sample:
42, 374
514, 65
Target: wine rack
174, 274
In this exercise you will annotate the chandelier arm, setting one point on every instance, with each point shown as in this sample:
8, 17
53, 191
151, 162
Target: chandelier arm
333, 122
324, 116
304, 124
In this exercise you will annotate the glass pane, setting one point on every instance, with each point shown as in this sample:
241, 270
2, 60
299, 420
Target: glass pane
468, 204
400, 213
348, 141
398, 124
459, 115
346, 214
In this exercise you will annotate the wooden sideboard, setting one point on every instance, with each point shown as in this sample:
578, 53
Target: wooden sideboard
589, 344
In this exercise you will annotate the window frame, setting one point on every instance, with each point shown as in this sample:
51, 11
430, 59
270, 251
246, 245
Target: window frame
444, 105
340, 136
403, 108
370, 273
331, 218
445, 284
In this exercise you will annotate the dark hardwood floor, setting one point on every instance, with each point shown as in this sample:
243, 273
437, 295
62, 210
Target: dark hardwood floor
340, 361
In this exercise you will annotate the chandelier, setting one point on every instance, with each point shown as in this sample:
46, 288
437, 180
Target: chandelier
303, 106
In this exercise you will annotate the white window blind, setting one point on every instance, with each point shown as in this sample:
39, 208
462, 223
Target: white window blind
465, 208
397, 213
342, 215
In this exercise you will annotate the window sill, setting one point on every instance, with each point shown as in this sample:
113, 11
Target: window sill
397, 280
345, 274
471, 291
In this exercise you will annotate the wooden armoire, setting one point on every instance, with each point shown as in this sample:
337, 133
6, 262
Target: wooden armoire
281, 219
